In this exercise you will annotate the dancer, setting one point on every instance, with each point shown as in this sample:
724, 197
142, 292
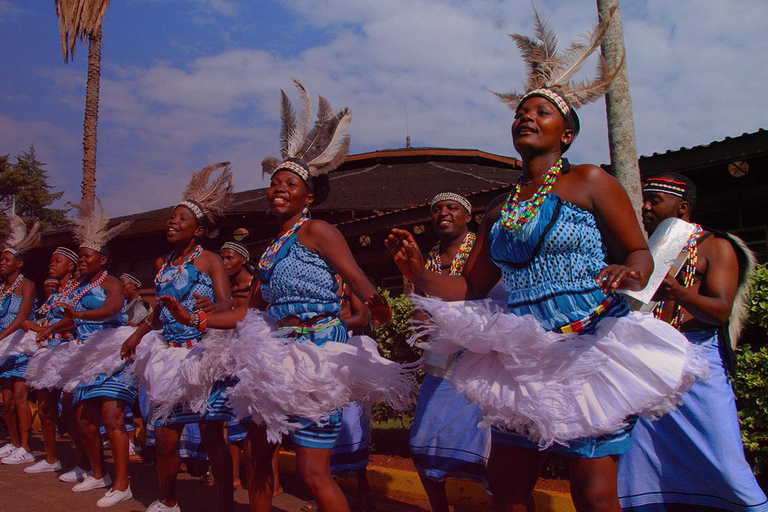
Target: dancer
136, 307
445, 438
187, 273
17, 302
61, 268
693, 457
50, 286
100, 384
562, 369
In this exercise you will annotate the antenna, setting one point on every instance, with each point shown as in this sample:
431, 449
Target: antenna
407, 131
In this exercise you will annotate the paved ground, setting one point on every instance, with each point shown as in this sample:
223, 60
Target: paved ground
20, 492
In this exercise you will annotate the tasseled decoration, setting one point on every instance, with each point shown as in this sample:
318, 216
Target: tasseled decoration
90, 225
19, 239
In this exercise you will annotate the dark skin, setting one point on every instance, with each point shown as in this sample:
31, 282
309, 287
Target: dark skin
709, 301
18, 414
184, 231
61, 269
91, 413
540, 134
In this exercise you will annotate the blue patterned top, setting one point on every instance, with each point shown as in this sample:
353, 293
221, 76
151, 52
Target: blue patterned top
300, 284
10, 308
189, 281
94, 299
549, 265
53, 316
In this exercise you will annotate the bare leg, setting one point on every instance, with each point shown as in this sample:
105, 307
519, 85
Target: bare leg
114, 423
168, 461
234, 452
74, 431
23, 412
48, 410
259, 455
212, 433
88, 414
9, 408
512, 475
593, 484
314, 466
277, 490
438, 498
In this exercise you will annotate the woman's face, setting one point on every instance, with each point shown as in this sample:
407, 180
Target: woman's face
182, 226
233, 261
9, 264
90, 262
60, 266
288, 194
538, 125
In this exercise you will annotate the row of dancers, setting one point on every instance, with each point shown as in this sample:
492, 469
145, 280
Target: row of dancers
557, 363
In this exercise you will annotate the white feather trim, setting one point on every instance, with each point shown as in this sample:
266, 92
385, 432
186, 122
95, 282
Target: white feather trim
100, 354
555, 388
19, 342
44, 368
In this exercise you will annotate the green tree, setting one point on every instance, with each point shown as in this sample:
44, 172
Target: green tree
27, 181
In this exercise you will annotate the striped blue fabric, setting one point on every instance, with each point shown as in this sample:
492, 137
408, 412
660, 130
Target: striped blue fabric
237, 430
15, 365
218, 408
549, 267
95, 299
350, 452
118, 386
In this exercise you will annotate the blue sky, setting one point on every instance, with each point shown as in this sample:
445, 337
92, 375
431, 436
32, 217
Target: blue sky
190, 82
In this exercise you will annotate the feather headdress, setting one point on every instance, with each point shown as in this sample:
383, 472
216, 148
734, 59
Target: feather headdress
90, 225
551, 73
19, 240
206, 198
310, 153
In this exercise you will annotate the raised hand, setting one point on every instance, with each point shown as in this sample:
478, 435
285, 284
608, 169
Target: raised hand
380, 310
179, 312
406, 254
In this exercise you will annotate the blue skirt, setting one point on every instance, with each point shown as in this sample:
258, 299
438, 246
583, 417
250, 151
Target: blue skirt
14, 366
445, 439
351, 449
237, 430
694, 455
118, 386
218, 409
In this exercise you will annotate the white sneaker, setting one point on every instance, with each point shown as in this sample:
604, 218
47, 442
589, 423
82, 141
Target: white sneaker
159, 507
20, 456
7, 450
93, 483
75, 475
114, 497
44, 467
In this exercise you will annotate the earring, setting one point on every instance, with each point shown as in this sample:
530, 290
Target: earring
305, 210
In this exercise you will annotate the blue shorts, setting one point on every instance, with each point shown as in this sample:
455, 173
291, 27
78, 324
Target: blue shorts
312, 435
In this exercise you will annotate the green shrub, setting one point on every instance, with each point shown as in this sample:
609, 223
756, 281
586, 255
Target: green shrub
758, 303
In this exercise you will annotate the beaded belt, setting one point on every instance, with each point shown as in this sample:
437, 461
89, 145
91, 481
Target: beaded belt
580, 325
185, 344
320, 326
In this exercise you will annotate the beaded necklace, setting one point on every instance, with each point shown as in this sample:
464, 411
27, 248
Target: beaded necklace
75, 299
68, 289
9, 289
159, 279
689, 271
267, 260
511, 217
434, 262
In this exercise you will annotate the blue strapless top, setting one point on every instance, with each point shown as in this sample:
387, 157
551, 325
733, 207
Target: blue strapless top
10, 308
549, 265
300, 283
190, 281
94, 299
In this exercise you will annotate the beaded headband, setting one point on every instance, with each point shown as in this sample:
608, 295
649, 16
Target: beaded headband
670, 186
295, 167
67, 253
239, 249
194, 207
128, 277
51, 281
13, 251
451, 196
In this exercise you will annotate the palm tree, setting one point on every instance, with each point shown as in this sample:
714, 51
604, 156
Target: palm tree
81, 19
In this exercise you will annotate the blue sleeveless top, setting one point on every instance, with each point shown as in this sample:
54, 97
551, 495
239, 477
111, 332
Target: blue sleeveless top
549, 265
182, 287
9, 308
53, 316
94, 299
300, 283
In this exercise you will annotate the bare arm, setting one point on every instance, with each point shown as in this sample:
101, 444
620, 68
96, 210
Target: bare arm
27, 300
357, 316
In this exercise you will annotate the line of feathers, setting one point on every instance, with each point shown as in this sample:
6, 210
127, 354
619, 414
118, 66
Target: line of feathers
215, 196
19, 238
90, 225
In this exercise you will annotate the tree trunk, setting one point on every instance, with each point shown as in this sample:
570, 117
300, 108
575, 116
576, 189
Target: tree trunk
91, 116
618, 103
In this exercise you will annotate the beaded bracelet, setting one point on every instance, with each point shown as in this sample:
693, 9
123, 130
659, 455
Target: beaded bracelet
202, 320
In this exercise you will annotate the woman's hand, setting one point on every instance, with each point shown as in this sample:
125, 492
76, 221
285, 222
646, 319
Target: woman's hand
128, 350
619, 277
179, 312
204, 304
43, 334
67, 310
405, 251
31, 325
379, 308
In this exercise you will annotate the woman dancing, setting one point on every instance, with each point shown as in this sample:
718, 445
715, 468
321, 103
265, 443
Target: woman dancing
545, 373
17, 302
188, 275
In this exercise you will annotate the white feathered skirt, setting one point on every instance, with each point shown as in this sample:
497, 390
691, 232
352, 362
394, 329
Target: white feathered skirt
282, 379
556, 388
186, 385
14, 353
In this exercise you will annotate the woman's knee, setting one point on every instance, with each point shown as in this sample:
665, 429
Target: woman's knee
166, 442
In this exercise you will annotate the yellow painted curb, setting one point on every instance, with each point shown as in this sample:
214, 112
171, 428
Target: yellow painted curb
406, 485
